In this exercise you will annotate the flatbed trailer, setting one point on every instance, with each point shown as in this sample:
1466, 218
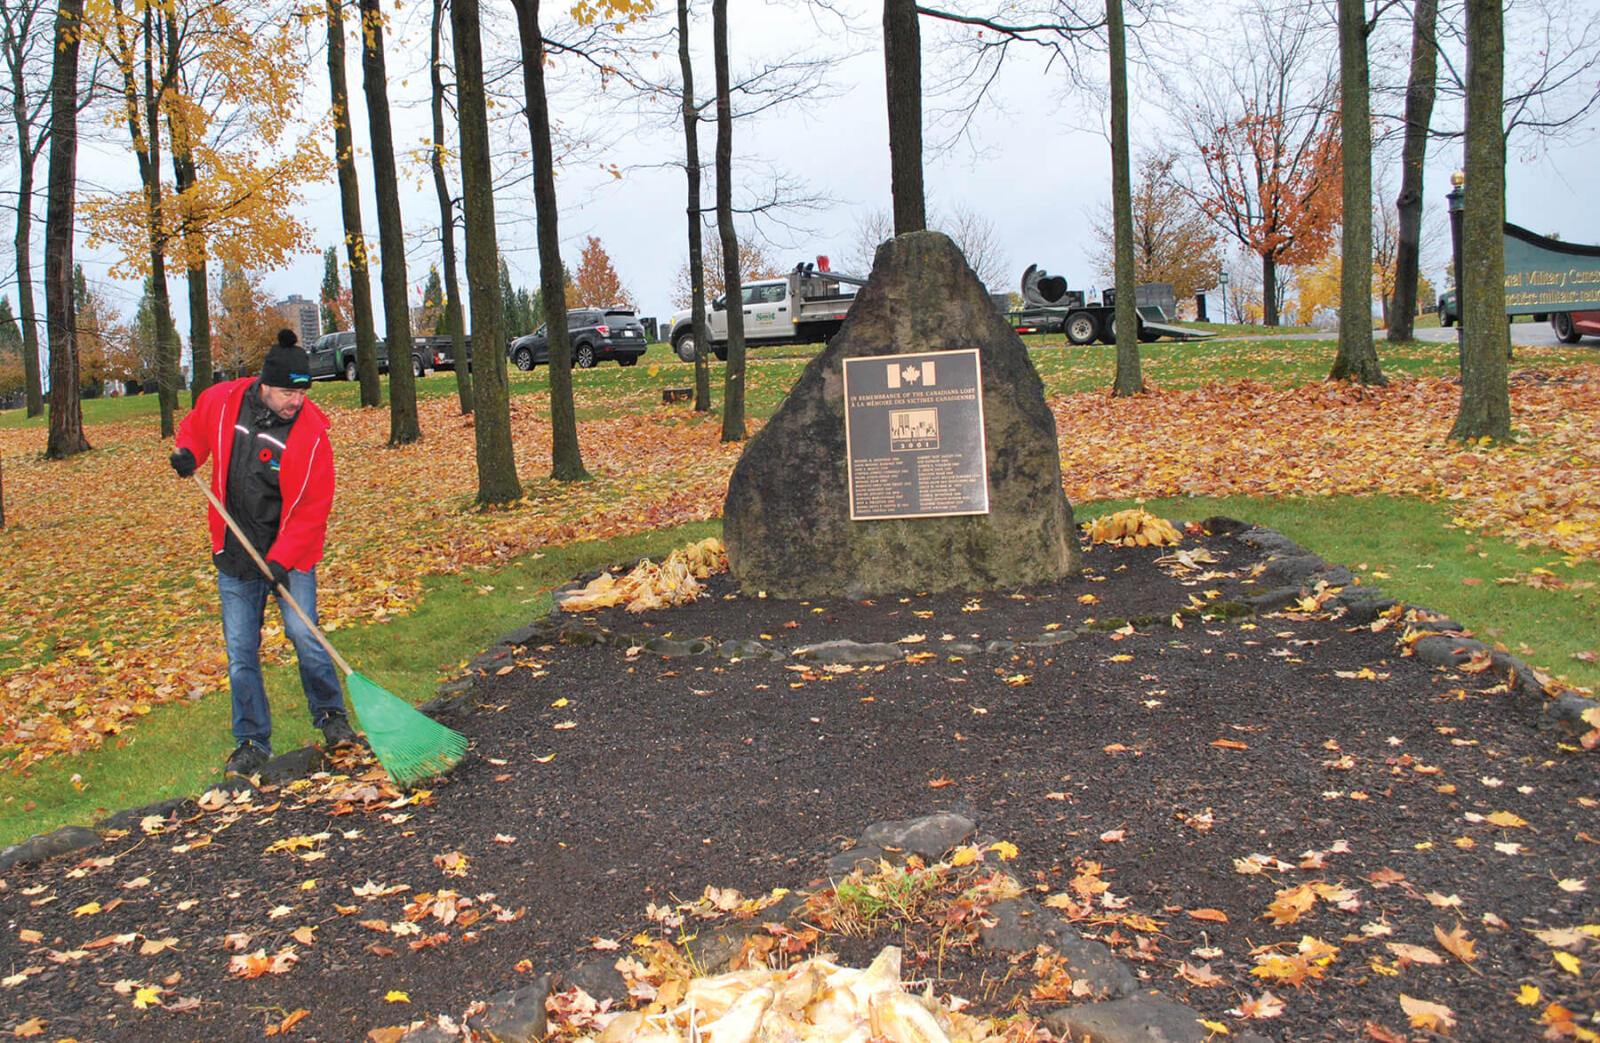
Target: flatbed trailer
1053, 308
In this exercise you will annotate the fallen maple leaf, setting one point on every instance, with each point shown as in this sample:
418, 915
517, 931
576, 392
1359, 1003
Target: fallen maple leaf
1290, 904
1416, 954
1264, 1006
940, 782
1456, 943
1214, 915
1202, 975
1425, 1015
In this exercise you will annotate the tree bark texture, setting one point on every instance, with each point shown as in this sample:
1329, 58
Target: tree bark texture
1269, 290
491, 420
1129, 380
902, 67
566, 462
697, 267
1420, 93
355, 243
447, 223
733, 426
27, 154
403, 426
1357, 357
1486, 340
144, 127
66, 436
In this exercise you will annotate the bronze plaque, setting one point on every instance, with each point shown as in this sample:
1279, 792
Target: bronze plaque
913, 430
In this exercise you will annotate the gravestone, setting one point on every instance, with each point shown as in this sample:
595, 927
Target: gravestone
922, 524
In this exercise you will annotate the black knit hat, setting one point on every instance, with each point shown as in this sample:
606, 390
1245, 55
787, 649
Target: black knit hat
287, 365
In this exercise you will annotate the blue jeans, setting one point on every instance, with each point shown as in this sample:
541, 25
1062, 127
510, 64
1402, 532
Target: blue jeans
244, 606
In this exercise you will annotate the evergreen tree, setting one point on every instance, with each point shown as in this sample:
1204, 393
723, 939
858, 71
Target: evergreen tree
432, 320
332, 294
11, 373
10, 332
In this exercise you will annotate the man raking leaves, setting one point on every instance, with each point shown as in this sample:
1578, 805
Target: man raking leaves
410, 745
272, 467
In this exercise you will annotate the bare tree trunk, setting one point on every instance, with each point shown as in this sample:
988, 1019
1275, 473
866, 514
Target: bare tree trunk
1129, 380
491, 420
1269, 290
19, 30
447, 224
403, 426
33, 395
1414, 152
66, 436
733, 427
566, 463
1357, 358
902, 65
183, 179
144, 126
697, 268
1485, 394
355, 243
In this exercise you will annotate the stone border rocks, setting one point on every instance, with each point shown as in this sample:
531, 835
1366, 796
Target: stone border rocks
1290, 574
1115, 1009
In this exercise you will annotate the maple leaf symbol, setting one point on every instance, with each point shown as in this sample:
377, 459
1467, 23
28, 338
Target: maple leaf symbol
911, 373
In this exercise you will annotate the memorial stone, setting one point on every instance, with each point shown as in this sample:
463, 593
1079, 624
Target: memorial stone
787, 521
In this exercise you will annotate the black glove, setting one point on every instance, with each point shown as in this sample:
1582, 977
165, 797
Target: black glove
183, 462
280, 575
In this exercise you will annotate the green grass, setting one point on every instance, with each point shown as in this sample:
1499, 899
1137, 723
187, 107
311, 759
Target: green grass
1409, 550
178, 749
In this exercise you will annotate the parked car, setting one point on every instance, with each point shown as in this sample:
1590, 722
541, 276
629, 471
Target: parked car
334, 356
596, 334
1572, 326
1448, 315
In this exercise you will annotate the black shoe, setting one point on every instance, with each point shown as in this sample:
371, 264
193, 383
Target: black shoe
336, 731
246, 760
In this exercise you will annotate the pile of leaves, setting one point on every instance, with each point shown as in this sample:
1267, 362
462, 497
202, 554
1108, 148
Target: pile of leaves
136, 554
649, 585
1133, 528
815, 999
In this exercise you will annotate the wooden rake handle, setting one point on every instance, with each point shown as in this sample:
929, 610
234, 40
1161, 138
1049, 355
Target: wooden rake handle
283, 590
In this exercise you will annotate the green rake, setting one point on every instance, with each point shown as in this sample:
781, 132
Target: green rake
409, 744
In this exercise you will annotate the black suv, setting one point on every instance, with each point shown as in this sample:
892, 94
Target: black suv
596, 334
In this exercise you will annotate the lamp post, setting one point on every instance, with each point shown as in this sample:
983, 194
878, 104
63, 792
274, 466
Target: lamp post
1224, 278
1454, 199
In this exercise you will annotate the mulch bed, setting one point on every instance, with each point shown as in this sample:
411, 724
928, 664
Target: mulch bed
602, 781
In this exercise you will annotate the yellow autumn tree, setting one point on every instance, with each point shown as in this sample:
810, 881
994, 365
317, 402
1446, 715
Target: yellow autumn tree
220, 103
1317, 286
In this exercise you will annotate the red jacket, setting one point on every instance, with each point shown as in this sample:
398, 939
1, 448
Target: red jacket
305, 476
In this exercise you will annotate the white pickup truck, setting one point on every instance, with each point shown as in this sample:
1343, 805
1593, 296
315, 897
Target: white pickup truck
807, 306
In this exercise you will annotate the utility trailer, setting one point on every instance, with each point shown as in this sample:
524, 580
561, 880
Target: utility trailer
1049, 306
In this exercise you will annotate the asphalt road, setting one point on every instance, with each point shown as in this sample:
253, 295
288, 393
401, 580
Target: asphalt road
1532, 334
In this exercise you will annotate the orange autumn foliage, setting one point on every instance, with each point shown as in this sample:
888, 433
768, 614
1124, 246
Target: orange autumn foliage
107, 602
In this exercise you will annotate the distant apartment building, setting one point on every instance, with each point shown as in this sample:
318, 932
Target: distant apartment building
302, 316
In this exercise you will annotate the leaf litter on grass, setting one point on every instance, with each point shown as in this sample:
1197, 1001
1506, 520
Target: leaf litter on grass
109, 607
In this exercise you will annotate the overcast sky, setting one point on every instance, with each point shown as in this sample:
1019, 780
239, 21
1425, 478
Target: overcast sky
1035, 164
